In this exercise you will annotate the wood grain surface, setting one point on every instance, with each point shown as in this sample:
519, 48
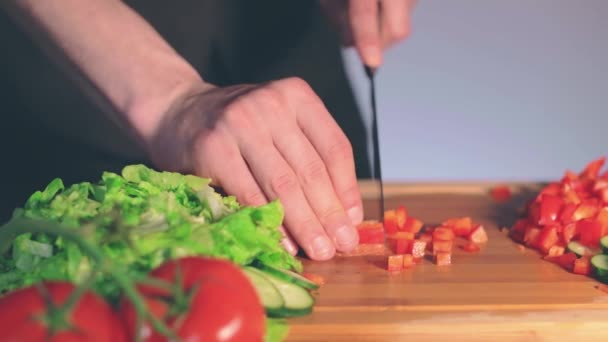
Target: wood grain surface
499, 294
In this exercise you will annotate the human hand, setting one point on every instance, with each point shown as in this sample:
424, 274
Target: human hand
261, 142
370, 25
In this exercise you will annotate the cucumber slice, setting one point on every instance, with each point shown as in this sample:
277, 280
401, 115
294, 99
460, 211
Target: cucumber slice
271, 298
289, 276
600, 267
604, 244
581, 250
298, 301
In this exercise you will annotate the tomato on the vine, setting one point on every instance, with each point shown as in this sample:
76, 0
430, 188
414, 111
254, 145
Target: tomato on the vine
29, 314
211, 300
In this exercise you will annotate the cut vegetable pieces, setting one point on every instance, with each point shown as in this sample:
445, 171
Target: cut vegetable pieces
269, 295
288, 276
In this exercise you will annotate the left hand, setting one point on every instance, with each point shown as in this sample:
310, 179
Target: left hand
370, 25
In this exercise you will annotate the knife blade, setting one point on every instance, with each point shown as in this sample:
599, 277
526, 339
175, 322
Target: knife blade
377, 172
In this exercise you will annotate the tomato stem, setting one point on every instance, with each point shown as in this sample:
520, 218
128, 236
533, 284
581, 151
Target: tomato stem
20, 225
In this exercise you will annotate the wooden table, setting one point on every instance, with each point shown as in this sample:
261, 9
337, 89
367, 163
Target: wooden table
500, 294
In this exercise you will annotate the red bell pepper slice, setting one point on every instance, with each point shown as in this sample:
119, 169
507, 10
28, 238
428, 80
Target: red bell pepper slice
400, 242
443, 259
370, 232
408, 261
592, 169
315, 278
401, 217
412, 225
395, 263
471, 247
390, 222
553, 189
460, 225
501, 193
582, 266
443, 233
418, 249
548, 238
478, 235
550, 207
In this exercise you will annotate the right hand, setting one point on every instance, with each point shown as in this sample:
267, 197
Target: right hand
262, 142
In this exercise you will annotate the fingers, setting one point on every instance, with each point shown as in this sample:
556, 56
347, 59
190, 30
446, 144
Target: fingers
224, 163
312, 174
365, 30
394, 20
331, 145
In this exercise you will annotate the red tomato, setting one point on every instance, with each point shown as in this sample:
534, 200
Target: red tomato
92, 319
223, 307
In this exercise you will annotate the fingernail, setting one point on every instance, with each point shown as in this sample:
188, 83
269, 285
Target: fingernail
289, 246
356, 215
373, 56
346, 238
322, 248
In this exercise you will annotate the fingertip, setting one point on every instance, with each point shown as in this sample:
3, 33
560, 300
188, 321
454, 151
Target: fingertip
372, 55
355, 214
346, 238
321, 249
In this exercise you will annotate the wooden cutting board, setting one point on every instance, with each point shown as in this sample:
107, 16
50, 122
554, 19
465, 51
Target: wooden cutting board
499, 294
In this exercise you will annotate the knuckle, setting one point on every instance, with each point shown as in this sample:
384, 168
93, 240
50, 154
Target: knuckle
331, 215
284, 183
341, 149
270, 97
298, 84
313, 171
253, 197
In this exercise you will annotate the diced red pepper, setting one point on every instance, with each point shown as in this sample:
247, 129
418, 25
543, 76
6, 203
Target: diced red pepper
592, 169
478, 235
571, 197
460, 225
443, 233
569, 232
567, 213
550, 207
588, 208
565, 260
547, 239
443, 258
582, 266
444, 246
501, 193
400, 242
569, 175
401, 217
602, 219
556, 250
534, 212
471, 247
418, 248
395, 263
390, 222
602, 194
315, 278
408, 261
370, 232
551, 189
531, 236
590, 232
412, 225
426, 237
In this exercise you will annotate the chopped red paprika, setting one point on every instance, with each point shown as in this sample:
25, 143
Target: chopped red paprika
471, 247
370, 232
548, 238
556, 250
443, 233
550, 207
395, 263
418, 249
478, 235
588, 208
501, 193
390, 222
531, 236
401, 217
400, 242
582, 266
592, 169
440, 246
412, 225
443, 259
315, 278
408, 261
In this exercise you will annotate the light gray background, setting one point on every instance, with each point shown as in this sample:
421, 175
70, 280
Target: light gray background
493, 90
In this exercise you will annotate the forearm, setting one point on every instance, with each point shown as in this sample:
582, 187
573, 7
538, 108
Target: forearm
124, 57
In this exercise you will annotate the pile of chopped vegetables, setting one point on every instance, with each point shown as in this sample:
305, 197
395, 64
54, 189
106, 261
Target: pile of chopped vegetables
567, 222
408, 241
138, 221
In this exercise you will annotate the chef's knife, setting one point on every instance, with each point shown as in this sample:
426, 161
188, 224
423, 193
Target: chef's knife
377, 173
